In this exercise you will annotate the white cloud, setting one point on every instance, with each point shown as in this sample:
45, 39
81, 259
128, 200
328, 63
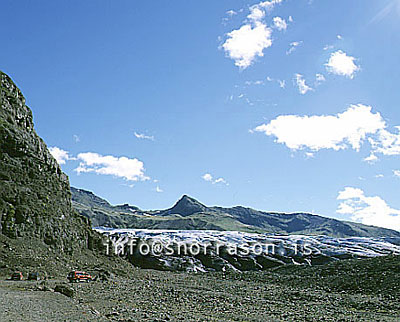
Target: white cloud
279, 23
220, 180
246, 43
350, 193
257, 82
293, 46
209, 178
339, 37
386, 143
348, 129
319, 79
76, 138
60, 155
396, 173
371, 158
282, 83
340, 63
256, 14
368, 210
123, 167
143, 136
269, 5
159, 190
229, 15
301, 84
379, 176
340, 131
329, 47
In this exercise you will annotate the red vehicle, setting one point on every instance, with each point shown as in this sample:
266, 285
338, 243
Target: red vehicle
17, 276
77, 276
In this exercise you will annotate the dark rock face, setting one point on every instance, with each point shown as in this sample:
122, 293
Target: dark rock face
35, 197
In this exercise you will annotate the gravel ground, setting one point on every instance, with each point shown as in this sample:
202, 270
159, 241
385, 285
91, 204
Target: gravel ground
19, 301
166, 296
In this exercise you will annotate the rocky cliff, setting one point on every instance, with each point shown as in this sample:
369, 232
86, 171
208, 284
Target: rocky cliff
35, 198
39, 229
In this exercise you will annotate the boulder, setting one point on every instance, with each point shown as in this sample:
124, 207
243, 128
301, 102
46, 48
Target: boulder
65, 290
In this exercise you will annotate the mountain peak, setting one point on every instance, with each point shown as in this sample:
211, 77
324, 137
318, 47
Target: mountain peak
186, 198
186, 206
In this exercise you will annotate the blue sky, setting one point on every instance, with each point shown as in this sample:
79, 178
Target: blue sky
279, 105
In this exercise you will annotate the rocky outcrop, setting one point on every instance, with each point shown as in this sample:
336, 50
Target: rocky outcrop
35, 197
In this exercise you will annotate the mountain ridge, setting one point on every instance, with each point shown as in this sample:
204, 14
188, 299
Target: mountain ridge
190, 214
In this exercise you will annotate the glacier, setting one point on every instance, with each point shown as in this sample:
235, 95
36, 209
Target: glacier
208, 250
